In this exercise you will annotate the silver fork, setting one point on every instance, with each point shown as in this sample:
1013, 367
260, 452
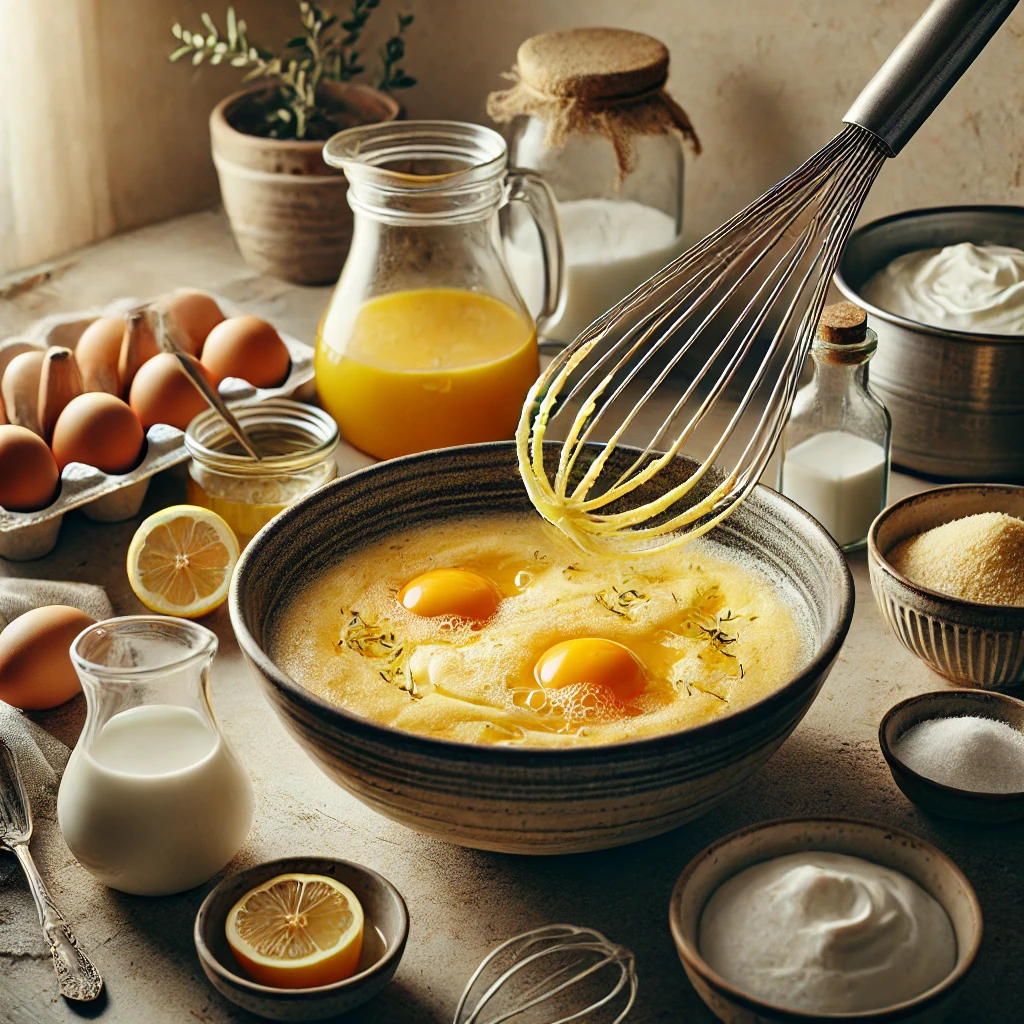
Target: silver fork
77, 977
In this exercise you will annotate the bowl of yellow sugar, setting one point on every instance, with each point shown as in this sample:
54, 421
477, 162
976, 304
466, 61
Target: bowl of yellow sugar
947, 571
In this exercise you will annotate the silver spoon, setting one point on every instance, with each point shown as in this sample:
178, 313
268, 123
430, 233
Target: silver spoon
164, 330
77, 977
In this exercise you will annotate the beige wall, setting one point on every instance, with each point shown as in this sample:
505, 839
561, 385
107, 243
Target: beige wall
765, 82
92, 108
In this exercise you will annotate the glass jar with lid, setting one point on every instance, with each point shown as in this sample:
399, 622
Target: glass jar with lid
296, 442
589, 112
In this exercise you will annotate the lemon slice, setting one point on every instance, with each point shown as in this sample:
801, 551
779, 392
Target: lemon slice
297, 931
180, 561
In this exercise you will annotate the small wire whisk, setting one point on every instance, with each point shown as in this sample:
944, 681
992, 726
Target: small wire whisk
748, 297
554, 974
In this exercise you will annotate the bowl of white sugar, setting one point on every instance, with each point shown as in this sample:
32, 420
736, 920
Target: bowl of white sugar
958, 753
947, 572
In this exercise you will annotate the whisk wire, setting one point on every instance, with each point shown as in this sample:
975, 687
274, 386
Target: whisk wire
773, 260
593, 953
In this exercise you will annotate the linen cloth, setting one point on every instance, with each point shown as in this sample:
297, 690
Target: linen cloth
41, 760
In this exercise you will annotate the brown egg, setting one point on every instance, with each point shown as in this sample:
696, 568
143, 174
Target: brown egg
97, 353
194, 313
28, 472
249, 348
99, 430
20, 389
35, 661
163, 393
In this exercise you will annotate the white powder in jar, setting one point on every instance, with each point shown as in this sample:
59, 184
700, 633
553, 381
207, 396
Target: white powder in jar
968, 752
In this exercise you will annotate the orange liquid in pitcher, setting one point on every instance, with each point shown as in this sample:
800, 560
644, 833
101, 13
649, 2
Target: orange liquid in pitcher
427, 368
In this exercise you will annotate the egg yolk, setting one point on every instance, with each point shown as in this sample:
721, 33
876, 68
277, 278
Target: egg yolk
457, 592
595, 661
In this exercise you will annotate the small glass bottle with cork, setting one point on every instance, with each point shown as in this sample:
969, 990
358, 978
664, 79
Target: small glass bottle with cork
588, 110
835, 452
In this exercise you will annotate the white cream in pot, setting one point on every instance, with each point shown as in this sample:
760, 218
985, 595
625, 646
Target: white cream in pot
964, 287
826, 933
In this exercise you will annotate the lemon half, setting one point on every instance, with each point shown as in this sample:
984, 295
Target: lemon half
180, 561
297, 931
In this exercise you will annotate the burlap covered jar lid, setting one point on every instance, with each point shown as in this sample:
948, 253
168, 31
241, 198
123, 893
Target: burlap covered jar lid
608, 81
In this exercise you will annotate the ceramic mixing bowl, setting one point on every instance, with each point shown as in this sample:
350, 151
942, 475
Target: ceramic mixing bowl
968, 643
512, 799
890, 847
955, 398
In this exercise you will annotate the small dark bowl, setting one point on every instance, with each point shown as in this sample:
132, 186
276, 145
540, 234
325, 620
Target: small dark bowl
934, 797
387, 928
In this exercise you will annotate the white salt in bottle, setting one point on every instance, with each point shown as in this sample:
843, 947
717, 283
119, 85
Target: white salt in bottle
835, 451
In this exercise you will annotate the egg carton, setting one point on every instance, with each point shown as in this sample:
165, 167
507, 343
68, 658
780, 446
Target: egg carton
105, 497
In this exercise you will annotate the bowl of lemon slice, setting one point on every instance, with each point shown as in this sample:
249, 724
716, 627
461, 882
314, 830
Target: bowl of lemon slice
301, 938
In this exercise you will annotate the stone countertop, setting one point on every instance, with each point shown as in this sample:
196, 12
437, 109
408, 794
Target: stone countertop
461, 902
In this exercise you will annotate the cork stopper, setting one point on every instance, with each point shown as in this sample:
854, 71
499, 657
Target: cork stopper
593, 63
845, 323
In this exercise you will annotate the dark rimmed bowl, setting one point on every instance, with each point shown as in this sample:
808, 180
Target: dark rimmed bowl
955, 398
385, 934
934, 797
512, 799
968, 643
890, 847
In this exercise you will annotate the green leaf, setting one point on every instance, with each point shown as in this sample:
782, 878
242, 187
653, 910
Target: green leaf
179, 53
197, 57
232, 28
186, 36
210, 42
221, 48
240, 62
216, 58
208, 22
176, 30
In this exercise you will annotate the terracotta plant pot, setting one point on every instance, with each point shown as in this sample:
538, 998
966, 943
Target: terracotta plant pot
287, 208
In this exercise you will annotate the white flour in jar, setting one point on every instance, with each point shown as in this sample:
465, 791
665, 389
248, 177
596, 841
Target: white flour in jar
611, 246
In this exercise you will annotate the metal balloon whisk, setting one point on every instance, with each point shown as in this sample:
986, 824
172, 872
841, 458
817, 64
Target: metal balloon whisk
554, 974
747, 300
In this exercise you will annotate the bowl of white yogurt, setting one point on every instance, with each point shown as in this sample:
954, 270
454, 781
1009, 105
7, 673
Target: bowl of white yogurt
944, 291
817, 919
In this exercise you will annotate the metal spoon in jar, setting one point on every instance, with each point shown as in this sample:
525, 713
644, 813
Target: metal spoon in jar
77, 977
164, 331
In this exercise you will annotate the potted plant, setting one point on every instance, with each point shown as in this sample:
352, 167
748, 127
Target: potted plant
287, 208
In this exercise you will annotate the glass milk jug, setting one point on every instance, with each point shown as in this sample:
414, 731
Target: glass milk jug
153, 800
835, 452
426, 342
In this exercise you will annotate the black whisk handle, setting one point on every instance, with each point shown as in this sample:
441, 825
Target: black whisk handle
925, 66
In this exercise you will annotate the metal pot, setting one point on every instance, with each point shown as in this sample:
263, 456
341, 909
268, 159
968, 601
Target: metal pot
955, 398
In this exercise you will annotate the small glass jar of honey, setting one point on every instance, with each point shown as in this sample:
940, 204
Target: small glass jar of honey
296, 443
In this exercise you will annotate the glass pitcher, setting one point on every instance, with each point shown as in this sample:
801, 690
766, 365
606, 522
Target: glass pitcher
153, 800
426, 342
